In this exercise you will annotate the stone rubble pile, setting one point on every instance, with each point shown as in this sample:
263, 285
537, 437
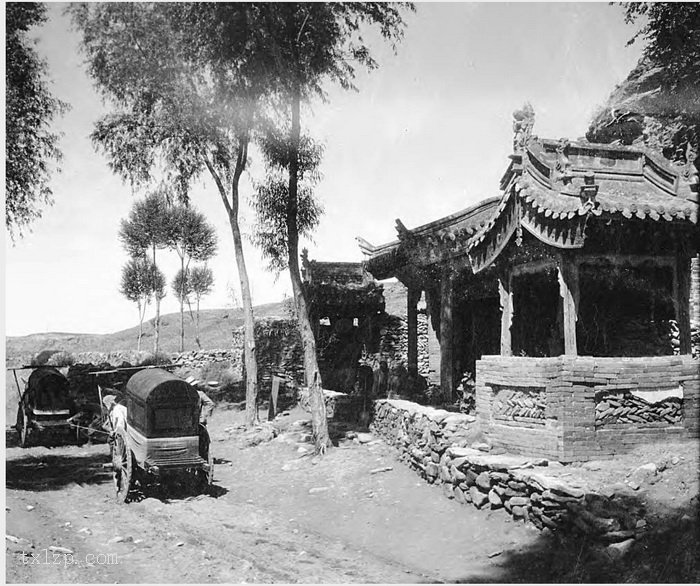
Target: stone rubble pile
433, 442
339, 406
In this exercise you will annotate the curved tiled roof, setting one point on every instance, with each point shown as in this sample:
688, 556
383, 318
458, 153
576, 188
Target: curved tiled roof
449, 234
560, 180
556, 183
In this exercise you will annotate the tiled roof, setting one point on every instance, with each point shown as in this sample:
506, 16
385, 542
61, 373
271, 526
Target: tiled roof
555, 183
460, 225
638, 199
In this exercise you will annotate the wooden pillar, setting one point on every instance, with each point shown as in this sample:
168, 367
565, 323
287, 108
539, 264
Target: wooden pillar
413, 296
432, 304
682, 302
569, 292
447, 375
505, 293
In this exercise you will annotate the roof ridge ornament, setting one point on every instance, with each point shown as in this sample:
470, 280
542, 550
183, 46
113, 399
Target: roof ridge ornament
589, 190
562, 168
401, 230
523, 123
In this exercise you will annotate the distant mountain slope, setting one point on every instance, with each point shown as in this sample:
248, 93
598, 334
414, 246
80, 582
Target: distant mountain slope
215, 325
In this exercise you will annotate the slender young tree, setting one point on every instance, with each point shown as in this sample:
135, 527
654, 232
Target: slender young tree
201, 281
147, 229
192, 238
137, 287
187, 80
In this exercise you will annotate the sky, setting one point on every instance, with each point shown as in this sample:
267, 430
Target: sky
428, 134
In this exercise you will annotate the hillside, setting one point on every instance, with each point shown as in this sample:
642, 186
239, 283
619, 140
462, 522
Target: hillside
215, 327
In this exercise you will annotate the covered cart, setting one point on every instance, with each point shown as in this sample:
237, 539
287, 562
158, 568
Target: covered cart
155, 433
45, 408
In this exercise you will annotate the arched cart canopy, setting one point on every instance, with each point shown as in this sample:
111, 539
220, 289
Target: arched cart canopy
154, 381
47, 388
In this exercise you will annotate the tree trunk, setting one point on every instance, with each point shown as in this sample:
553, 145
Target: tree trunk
317, 404
156, 321
251, 366
182, 303
138, 342
196, 327
249, 362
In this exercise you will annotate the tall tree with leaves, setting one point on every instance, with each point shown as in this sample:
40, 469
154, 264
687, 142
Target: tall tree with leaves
188, 80
30, 107
193, 238
147, 229
315, 43
137, 287
658, 104
270, 203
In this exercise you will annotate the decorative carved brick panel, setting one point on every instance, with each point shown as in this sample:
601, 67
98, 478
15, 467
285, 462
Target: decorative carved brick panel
628, 407
519, 404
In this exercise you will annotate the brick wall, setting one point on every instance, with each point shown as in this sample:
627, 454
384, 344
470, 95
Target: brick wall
572, 387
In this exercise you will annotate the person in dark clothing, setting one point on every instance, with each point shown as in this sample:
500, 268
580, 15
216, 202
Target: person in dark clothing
380, 385
397, 380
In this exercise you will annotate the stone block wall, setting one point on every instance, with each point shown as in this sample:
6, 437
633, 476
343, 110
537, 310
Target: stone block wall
198, 359
393, 344
580, 408
431, 441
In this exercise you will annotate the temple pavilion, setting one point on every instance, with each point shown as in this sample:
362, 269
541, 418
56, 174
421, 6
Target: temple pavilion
586, 259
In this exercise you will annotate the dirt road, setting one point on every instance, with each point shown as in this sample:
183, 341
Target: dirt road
278, 515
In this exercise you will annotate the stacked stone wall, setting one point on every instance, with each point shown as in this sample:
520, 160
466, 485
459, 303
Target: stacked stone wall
432, 442
197, 360
393, 342
592, 408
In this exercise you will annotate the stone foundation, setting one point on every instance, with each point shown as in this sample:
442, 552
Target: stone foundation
528, 489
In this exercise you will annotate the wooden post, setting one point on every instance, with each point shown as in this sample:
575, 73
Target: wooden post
505, 293
447, 375
682, 304
274, 393
569, 292
412, 296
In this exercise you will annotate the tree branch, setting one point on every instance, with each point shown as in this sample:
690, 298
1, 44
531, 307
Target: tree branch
219, 183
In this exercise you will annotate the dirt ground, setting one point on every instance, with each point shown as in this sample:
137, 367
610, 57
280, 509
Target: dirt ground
278, 514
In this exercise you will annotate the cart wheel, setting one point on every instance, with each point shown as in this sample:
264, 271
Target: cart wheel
23, 429
122, 467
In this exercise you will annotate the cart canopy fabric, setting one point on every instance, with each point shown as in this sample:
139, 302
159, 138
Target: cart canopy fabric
157, 381
47, 388
160, 404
